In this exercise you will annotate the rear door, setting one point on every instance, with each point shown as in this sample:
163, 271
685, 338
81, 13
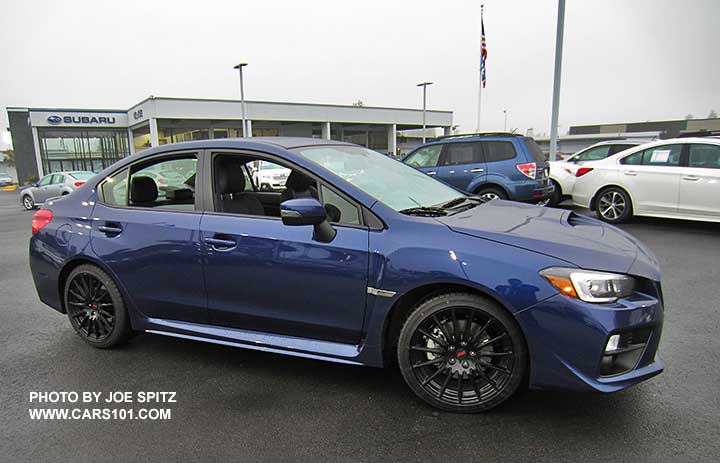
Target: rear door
652, 177
463, 165
149, 236
700, 181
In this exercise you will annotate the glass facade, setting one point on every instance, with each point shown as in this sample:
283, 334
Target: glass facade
63, 150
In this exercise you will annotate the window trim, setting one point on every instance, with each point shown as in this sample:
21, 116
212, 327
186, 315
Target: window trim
682, 162
208, 205
199, 187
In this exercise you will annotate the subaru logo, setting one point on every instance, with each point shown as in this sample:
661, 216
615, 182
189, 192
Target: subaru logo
54, 119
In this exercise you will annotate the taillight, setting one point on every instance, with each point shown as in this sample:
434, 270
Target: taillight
79, 183
582, 171
528, 169
40, 219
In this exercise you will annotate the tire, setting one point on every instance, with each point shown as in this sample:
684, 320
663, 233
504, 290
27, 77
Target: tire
28, 203
556, 196
491, 193
613, 205
95, 307
437, 347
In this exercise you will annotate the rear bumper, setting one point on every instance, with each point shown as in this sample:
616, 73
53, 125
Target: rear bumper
534, 192
567, 340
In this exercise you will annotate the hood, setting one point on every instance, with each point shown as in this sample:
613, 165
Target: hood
579, 240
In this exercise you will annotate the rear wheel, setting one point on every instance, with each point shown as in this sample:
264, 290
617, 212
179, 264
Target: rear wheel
491, 193
28, 202
462, 353
613, 205
95, 307
556, 196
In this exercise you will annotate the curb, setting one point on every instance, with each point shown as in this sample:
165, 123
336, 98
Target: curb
10, 188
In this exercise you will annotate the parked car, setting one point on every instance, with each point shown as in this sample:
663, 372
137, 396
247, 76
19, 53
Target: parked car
5, 179
270, 176
490, 165
562, 173
51, 185
677, 178
361, 260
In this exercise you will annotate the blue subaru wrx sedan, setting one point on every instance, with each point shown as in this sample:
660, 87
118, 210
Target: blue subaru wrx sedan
360, 260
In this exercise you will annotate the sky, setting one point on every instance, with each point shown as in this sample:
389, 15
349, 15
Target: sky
624, 60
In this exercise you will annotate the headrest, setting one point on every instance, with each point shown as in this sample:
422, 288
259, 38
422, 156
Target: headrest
298, 181
230, 176
143, 190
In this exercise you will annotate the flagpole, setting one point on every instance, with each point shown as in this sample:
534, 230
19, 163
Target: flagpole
479, 111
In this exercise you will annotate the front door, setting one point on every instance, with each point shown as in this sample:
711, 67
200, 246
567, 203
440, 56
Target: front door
149, 237
264, 276
463, 165
700, 182
42, 191
426, 159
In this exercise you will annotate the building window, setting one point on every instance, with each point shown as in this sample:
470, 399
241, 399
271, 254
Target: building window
74, 149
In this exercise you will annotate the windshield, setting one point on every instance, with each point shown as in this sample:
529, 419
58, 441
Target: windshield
82, 175
390, 182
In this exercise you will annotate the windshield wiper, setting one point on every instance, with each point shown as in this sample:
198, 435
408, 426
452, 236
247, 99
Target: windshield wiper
424, 210
454, 202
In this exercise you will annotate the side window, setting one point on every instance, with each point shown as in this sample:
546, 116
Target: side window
595, 154
269, 176
462, 153
165, 184
113, 190
424, 157
704, 156
614, 149
339, 209
45, 180
662, 156
57, 179
499, 151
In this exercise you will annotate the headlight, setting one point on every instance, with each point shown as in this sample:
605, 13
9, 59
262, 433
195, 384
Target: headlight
588, 285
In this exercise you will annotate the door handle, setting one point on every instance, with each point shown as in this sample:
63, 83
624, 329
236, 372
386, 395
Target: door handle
691, 178
433, 172
451, 172
477, 170
220, 244
631, 173
110, 229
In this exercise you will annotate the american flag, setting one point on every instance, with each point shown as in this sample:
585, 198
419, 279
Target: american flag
483, 53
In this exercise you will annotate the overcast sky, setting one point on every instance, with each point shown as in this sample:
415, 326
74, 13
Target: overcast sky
624, 60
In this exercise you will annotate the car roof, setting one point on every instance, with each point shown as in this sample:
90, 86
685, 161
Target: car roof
282, 142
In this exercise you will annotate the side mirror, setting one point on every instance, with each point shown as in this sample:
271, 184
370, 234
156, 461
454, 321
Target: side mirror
308, 211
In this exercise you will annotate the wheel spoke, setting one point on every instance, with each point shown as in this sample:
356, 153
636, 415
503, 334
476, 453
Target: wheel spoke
460, 390
479, 333
495, 367
489, 381
429, 362
468, 325
444, 386
428, 349
441, 327
440, 369
495, 354
490, 341
433, 337
477, 389
454, 325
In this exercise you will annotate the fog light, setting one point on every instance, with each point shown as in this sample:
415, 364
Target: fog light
613, 343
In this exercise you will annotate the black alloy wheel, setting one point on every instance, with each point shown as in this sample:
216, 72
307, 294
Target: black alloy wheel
95, 307
462, 353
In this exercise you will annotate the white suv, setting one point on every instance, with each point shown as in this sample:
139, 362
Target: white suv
676, 178
269, 176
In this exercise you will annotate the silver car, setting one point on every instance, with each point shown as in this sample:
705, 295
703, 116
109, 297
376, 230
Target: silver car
5, 179
52, 185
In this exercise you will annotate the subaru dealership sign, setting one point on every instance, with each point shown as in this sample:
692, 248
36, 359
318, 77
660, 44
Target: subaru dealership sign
78, 119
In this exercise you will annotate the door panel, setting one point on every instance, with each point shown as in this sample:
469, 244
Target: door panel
426, 159
463, 164
652, 177
157, 257
700, 182
266, 276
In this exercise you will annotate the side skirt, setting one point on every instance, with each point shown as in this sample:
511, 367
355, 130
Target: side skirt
265, 342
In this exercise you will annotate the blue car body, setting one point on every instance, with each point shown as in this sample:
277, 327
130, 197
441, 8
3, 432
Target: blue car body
279, 290
486, 169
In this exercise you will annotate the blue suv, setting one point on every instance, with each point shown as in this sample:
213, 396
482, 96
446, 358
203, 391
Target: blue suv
361, 260
491, 165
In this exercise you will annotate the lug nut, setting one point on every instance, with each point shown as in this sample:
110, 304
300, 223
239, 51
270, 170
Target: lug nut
465, 364
452, 347
463, 343
472, 353
452, 361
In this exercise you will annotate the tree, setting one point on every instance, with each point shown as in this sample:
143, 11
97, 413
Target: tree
9, 157
713, 114
689, 116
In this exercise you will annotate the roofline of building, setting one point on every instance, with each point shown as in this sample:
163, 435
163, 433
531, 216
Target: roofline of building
646, 122
216, 100
593, 136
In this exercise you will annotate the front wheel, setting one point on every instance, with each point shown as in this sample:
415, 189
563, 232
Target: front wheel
462, 353
613, 205
95, 307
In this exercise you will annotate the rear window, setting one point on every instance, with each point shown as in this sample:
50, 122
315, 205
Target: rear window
535, 151
498, 151
82, 175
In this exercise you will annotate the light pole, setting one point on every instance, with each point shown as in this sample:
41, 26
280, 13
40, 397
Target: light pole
559, 32
240, 67
424, 86
505, 125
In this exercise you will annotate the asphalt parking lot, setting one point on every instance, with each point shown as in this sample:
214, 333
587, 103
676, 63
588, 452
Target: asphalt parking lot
240, 405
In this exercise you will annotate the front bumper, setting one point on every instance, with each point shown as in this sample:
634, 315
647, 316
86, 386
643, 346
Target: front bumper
567, 338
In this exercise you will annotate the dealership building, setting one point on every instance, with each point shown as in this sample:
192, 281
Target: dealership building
49, 140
